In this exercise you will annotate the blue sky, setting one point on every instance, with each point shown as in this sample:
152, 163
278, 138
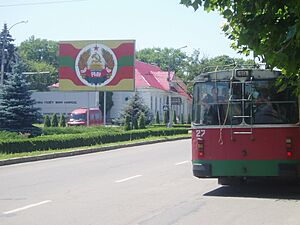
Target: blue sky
155, 23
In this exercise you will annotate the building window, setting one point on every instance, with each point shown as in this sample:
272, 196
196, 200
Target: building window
151, 102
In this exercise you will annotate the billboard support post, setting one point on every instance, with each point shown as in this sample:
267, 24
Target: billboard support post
104, 108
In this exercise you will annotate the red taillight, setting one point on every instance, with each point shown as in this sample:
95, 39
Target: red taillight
288, 145
201, 148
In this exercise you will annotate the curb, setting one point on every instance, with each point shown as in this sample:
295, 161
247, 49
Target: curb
80, 152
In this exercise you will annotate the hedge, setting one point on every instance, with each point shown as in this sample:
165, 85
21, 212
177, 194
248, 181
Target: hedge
81, 139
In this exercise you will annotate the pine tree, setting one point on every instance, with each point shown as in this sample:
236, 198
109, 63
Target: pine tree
54, 120
142, 121
62, 120
189, 119
9, 50
134, 108
47, 122
182, 118
165, 117
174, 117
157, 121
135, 124
17, 109
127, 123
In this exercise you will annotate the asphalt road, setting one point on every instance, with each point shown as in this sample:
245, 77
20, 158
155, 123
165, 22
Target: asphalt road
146, 185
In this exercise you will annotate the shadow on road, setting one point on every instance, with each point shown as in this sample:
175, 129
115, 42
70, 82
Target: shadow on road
271, 190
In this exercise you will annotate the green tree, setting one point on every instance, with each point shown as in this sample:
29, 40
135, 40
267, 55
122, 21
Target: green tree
54, 120
157, 120
165, 117
189, 119
174, 117
142, 124
271, 29
166, 58
6, 44
47, 122
40, 57
135, 124
17, 109
181, 118
135, 106
127, 123
62, 120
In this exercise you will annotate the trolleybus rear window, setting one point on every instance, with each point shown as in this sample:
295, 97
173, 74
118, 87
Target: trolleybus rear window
256, 102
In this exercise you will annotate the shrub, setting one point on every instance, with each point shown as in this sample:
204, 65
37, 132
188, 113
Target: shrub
157, 118
142, 124
62, 120
181, 118
54, 120
127, 123
189, 119
81, 139
165, 117
47, 122
174, 117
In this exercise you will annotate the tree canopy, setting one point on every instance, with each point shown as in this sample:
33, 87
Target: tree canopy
7, 49
17, 109
271, 29
40, 56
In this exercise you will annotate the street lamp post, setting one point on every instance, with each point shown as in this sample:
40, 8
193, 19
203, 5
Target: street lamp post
3, 58
170, 91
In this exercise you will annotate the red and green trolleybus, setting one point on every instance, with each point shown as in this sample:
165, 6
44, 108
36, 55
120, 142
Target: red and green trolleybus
242, 127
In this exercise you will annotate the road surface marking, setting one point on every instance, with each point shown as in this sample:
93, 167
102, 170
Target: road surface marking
183, 162
26, 207
128, 178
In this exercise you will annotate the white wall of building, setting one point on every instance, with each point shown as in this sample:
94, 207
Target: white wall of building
63, 102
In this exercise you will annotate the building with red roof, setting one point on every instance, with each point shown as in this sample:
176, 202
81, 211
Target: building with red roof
154, 86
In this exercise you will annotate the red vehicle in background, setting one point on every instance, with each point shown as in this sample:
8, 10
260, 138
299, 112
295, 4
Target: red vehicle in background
85, 117
243, 127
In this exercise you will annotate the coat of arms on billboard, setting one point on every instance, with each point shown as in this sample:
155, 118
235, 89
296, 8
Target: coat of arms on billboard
102, 65
96, 65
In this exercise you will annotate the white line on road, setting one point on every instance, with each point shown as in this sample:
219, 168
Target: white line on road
128, 178
180, 163
26, 207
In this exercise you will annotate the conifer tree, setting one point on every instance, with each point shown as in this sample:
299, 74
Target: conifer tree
189, 119
62, 120
6, 44
134, 108
47, 122
157, 120
165, 117
142, 121
127, 123
17, 109
182, 118
174, 117
54, 120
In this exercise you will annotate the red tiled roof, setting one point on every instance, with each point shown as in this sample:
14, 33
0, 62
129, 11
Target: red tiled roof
147, 75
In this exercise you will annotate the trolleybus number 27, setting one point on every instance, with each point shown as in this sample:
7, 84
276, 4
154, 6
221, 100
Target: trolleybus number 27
200, 134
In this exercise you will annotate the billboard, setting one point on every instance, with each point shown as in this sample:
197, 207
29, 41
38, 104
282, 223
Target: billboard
100, 65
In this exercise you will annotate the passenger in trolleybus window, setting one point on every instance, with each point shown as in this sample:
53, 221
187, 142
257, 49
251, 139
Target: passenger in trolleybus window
209, 101
265, 111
